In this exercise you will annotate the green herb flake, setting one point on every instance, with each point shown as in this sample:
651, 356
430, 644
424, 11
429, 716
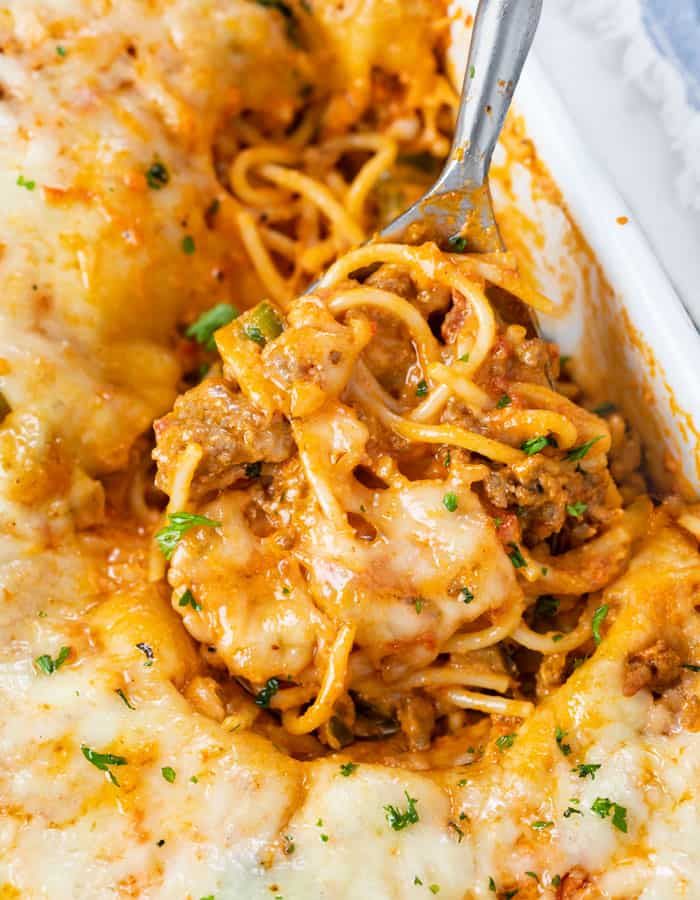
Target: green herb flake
457, 243
557, 637
103, 761
533, 875
465, 595
264, 325
458, 831
504, 400
449, 501
506, 741
570, 811
534, 445
180, 523
492, 885
508, 895
556, 881
576, 509
402, 819
417, 880
516, 557
598, 619
187, 599
419, 603
169, 774
579, 452
472, 71
263, 697
61, 51
422, 388
559, 736
434, 888
540, 825
602, 807
124, 698
463, 358
546, 606
586, 770
448, 459
324, 838
202, 329
157, 176
346, 769
605, 409
691, 667
23, 182
188, 246
147, 651
48, 665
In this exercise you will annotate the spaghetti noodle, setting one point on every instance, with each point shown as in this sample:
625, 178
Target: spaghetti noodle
426, 516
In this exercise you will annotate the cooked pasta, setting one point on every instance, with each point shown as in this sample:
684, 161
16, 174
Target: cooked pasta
449, 517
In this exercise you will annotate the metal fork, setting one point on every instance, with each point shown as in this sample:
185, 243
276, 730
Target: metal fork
459, 203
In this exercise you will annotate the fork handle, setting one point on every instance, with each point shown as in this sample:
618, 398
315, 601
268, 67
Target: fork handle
501, 38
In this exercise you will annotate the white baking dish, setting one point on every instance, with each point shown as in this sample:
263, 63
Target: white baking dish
632, 343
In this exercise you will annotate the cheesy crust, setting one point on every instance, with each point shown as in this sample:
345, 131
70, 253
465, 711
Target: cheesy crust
152, 151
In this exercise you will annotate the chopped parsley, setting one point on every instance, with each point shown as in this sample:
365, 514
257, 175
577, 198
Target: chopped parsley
690, 667
458, 831
123, 696
534, 445
179, 523
465, 595
157, 175
417, 880
147, 651
457, 243
532, 875
559, 736
556, 881
187, 599
264, 325
346, 769
399, 819
516, 557
546, 606
492, 885
169, 774
103, 761
263, 697
472, 71
449, 501
572, 810
422, 388
503, 401
324, 838
506, 741
598, 619
576, 509
586, 770
602, 807
419, 603
187, 245
579, 452
604, 409
540, 825
434, 888
22, 182
202, 329
61, 51
463, 358
48, 665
